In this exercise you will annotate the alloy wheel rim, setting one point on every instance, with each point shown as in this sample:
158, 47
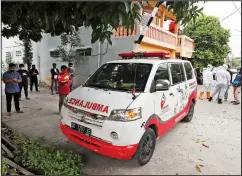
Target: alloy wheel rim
146, 149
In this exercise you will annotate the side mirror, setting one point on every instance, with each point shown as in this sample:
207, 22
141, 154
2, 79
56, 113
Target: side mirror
162, 85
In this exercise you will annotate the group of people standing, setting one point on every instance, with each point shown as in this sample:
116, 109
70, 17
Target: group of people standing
62, 82
15, 80
218, 81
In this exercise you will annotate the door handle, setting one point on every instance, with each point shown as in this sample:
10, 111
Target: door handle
171, 94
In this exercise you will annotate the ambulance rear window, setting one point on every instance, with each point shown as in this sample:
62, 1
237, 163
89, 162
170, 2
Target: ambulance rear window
121, 76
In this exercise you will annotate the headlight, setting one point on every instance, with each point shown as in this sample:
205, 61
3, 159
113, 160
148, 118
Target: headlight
125, 115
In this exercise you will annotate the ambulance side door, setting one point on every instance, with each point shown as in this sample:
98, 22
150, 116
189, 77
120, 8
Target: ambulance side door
178, 86
191, 80
164, 100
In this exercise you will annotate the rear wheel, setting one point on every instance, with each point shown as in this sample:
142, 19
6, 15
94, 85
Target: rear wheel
189, 116
146, 147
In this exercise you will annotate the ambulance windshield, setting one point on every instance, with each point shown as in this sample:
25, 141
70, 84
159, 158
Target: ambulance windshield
120, 76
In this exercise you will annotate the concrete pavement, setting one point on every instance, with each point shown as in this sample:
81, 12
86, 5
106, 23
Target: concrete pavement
177, 152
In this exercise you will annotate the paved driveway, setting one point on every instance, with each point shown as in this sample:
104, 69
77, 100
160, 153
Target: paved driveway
177, 152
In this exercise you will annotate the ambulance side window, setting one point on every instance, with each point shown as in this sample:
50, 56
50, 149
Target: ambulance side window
162, 72
177, 73
189, 71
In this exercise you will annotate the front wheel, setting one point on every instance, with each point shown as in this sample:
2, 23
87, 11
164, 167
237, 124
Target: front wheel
189, 116
146, 147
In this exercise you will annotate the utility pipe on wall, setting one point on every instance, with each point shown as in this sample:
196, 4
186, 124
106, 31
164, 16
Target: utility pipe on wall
99, 55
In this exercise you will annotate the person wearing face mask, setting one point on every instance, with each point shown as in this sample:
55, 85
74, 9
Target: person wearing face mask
71, 72
11, 78
24, 75
64, 81
33, 72
207, 81
54, 73
222, 81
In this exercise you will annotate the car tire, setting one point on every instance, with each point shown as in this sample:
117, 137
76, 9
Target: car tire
146, 147
189, 116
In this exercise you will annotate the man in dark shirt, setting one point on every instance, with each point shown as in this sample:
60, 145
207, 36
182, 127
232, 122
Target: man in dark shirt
54, 73
11, 78
24, 75
33, 72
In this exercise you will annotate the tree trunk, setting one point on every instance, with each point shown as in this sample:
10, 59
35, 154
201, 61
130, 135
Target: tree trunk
29, 66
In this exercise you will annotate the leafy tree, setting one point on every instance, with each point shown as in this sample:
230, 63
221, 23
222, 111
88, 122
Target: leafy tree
4, 67
211, 41
236, 62
9, 59
28, 54
68, 46
32, 19
185, 11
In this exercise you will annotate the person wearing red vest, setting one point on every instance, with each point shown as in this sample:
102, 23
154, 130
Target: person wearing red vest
64, 81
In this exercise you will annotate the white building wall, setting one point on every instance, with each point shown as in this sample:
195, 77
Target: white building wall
16, 58
42, 59
85, 67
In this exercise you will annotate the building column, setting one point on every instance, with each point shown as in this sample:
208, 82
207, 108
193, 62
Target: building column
173, 54
177, 26
162, 18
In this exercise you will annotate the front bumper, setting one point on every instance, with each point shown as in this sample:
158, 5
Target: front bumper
99, 146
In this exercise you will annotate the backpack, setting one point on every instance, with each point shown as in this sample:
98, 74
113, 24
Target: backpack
237, 81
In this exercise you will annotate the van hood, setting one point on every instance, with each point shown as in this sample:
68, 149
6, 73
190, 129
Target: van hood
99, 101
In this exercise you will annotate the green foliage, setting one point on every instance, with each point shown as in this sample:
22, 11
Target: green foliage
47, 160
6, 63
28, 55
9, 59
32, 19
69, 42
211, 41
4, 168
185, 11
3, 68
236, 63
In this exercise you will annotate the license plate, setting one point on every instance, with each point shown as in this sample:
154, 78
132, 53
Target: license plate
81, 129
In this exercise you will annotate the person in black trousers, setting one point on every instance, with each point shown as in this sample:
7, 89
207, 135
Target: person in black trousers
11, 78
54, 73
24, 75
33, 72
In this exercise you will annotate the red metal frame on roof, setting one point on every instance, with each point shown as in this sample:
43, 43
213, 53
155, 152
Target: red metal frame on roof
144, 54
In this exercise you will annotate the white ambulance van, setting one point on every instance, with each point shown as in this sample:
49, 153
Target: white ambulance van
127, 104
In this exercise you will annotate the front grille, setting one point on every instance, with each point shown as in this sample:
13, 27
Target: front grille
86, 117
87, 142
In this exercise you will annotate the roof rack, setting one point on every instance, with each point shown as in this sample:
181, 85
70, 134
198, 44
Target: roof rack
143, 54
